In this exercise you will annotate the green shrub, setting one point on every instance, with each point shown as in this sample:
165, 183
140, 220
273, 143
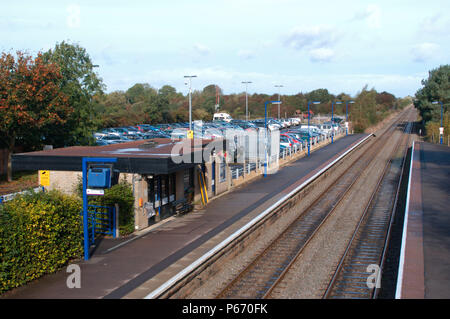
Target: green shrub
39, 233
122, 194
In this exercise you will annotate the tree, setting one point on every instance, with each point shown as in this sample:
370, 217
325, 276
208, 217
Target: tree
435, 88
321, 95
31, 100
80, 84
139, 92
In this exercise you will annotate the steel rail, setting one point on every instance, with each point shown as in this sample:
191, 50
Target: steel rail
227, 242
341, 195
393, 213
237, 235
362, 220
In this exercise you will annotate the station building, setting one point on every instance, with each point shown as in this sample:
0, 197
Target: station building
161, 171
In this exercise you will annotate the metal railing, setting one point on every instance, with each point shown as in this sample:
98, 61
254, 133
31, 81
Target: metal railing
101, 221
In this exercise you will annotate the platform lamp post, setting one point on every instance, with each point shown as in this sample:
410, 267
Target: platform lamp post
190, 100
265, 133
246, 99
309, 132
332, 112
346, 116
441, 128
279, 99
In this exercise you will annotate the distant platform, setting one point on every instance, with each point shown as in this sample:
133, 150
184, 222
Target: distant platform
424, 270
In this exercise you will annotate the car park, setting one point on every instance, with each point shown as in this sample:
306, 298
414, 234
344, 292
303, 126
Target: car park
291, 130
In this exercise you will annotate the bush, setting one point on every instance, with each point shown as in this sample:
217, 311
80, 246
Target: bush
122, 194
39, 233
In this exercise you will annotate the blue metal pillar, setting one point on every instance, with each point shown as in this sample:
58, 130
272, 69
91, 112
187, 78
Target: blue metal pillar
441, 138
85, 161
309, 138
265, 138
346, 118
332, 129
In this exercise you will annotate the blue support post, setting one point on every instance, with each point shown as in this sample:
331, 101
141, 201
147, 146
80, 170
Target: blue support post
265, 138
346, 118
332, 129
441, 139
85, 161
309, 139
85, 214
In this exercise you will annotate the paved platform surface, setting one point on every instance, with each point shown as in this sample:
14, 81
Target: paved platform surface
425, 260
123, 271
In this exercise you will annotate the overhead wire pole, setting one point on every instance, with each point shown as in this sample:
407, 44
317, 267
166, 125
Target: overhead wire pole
279, 86
309, 132
332, 111
346, 116
190, 100
441, 128
246, 99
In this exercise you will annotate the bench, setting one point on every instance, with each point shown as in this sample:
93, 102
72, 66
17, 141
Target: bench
181, 206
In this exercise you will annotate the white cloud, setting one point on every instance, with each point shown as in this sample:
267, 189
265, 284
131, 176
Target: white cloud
311, 37
73, 18
424, 51
201, 49
372, 15
435, 25
321, 55
246, 54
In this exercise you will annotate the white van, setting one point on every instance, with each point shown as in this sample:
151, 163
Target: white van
222, 117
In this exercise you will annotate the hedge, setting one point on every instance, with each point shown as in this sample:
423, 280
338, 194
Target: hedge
39, 233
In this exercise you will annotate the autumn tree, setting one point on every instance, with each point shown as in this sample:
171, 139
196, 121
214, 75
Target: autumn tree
31, 101
81, 84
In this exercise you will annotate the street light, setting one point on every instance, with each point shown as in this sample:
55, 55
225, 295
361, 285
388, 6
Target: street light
332, 129
246, 99
309, 132
441, 129
279, 99
265, 133
190, 100
346, 116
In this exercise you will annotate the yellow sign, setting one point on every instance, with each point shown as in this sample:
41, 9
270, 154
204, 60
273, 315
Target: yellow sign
190, 134
44, 178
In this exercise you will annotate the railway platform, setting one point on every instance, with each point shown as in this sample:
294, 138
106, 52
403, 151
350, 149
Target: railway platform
424, 268
131, 267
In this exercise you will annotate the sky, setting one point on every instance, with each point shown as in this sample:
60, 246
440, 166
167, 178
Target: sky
302, 45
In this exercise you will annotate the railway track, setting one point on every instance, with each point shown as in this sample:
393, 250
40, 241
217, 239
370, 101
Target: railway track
358, 274
260, 278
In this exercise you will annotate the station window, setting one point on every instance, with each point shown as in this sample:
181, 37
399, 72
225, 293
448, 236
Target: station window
172, 187
164, 190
